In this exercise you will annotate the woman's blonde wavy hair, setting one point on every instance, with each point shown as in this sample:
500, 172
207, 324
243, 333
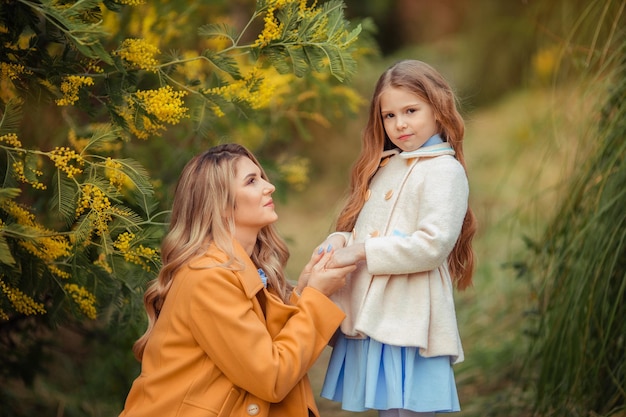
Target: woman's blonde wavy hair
201, 215
423, 80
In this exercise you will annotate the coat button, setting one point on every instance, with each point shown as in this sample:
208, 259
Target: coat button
374, 233
384, 162
368, 193
388, 194
253, 409
410, 161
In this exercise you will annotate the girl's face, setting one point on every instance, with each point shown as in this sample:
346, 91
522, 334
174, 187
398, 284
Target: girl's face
408, 120
254, 207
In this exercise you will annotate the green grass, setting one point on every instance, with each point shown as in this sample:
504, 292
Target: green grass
518, 151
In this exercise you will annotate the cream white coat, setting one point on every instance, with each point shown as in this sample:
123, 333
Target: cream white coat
403, 294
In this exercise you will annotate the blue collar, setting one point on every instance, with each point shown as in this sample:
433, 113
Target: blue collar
433, 140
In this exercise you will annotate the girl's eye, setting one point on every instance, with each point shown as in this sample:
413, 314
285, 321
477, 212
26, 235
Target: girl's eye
388, 116
410, 111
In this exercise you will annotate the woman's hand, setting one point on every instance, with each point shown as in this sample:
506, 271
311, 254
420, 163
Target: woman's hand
303, 279
328, 280
332, 241
317, 275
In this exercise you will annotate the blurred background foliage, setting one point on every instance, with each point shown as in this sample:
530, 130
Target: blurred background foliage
541, 86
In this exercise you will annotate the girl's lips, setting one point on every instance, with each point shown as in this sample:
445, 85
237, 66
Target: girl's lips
404, 137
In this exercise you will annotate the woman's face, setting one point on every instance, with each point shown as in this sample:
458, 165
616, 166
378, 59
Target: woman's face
408, 120
254, 207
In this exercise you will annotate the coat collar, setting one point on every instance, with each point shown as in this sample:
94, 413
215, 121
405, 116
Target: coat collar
429, 151
242, 266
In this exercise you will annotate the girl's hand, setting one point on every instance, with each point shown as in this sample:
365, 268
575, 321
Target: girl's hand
335, 241
326, 279
349, 255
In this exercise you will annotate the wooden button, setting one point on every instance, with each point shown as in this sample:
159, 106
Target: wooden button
388, 194
368, 194
410, 161
374, 233
384, 162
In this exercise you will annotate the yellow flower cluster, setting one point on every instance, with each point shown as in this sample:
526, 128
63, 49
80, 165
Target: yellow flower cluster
48, 247
139, 53
18, 172
138, 254
296, 172
11, 140
117, 178
94, 200
164, 103
92, 66
84, 299
63, 157
132, 2
21, 215
272, 29
59, 272
253, 89
102, 263
70, 87
13, 71
21, 302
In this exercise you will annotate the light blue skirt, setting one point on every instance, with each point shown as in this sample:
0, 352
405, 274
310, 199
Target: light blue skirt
366, 374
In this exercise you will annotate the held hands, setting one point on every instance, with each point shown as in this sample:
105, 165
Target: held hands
343, 255
317, 274
348, 255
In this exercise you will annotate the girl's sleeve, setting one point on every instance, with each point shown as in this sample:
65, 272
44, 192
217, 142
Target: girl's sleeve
440, 208
232, 334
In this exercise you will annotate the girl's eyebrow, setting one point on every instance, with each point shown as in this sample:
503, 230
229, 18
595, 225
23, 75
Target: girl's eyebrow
403, 107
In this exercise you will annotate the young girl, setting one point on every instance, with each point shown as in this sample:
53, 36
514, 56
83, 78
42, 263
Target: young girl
408, 227
227, 334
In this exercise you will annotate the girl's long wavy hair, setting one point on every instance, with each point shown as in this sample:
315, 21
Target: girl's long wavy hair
202, 214
421, 79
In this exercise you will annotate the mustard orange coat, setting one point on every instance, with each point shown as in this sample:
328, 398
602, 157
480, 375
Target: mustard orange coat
216, 351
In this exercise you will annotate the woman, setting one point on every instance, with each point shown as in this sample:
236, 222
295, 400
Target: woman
227, 334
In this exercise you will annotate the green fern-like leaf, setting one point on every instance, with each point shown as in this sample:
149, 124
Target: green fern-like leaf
10, 121
74, 25
102, 137
9, 193
63, 200
219, 30
224, 63
6, 257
